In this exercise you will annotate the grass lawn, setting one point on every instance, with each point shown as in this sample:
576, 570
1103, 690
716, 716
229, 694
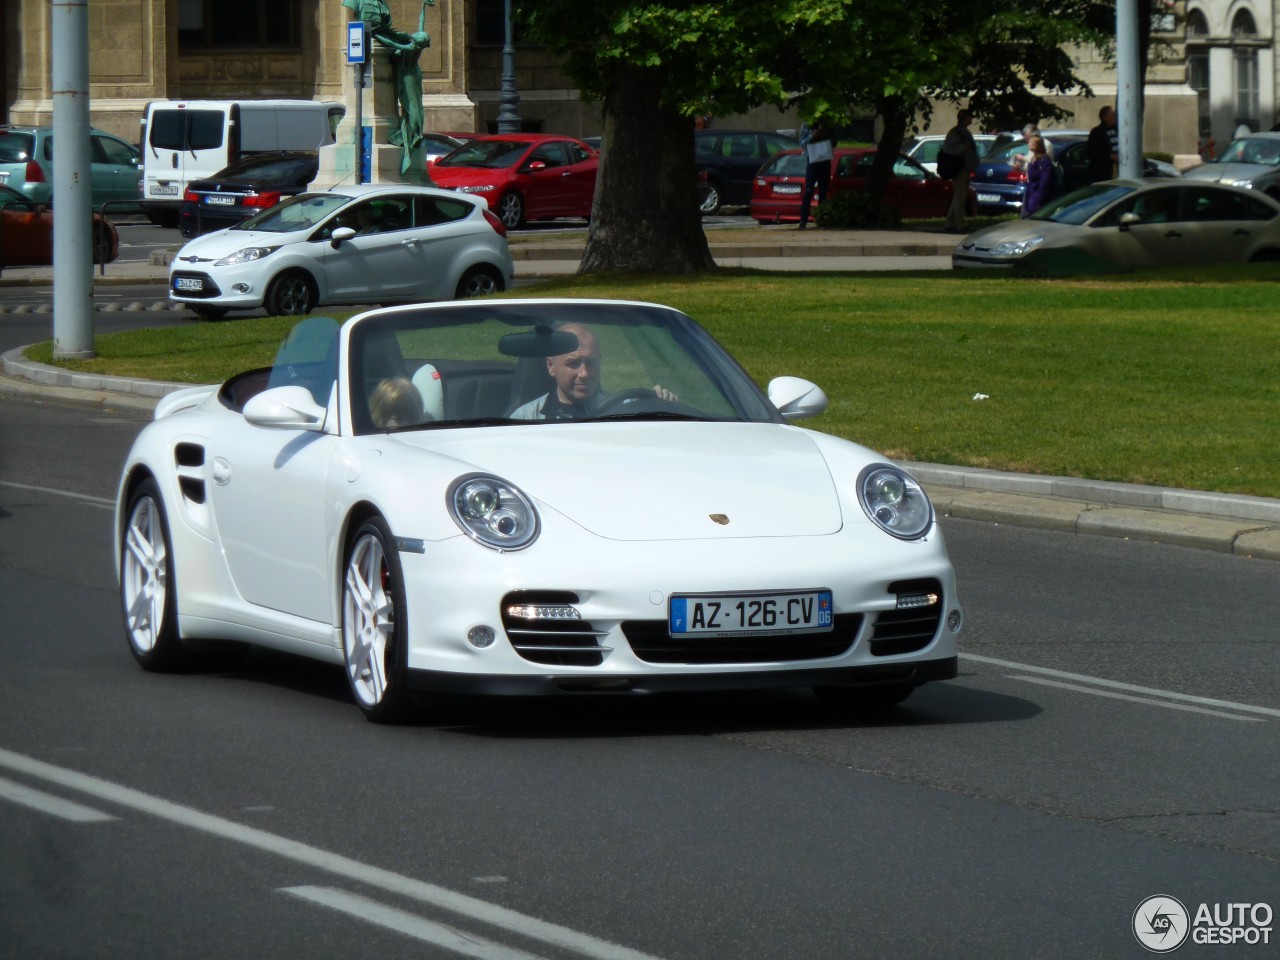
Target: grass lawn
1162, 378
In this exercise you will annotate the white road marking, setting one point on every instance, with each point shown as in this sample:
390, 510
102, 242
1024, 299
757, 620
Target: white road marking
1127, 687
333, 863
59, 493
1132, 699
362, 908
48, 803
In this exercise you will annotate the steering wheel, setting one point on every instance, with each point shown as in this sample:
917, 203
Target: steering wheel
622, 397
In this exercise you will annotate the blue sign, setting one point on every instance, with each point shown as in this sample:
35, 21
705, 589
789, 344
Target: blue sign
355, 41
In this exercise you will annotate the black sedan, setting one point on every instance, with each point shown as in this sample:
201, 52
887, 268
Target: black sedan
246, 187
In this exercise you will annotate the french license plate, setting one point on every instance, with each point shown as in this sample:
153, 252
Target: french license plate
164, 189
188, 283
989, 198
740, 615
788, 188
214, 200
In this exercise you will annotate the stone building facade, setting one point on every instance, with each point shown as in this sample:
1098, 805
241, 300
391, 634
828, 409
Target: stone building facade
1214, 68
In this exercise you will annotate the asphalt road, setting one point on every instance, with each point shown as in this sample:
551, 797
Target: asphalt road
1017, 811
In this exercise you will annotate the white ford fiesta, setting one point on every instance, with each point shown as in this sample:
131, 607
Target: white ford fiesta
530, 497
355, 244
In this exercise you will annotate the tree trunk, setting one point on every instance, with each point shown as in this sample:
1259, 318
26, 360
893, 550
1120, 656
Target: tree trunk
894, 116
645, 216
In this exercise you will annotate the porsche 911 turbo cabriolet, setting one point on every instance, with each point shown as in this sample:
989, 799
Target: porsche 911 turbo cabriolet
530, 497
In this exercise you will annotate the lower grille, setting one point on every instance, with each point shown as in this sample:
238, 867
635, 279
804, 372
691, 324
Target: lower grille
909, 629
652, 643
557, 643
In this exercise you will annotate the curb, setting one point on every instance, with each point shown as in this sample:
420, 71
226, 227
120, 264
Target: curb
1225, 523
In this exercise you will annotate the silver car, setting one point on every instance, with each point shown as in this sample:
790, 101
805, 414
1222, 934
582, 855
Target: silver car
1125, 224
1252, 162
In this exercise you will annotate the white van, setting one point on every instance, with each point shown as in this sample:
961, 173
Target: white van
185, 140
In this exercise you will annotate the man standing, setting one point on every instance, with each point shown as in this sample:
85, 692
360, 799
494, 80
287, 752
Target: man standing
959, 144
1103, 146
819, 152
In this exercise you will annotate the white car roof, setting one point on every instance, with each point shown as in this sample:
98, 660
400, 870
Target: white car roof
372, 189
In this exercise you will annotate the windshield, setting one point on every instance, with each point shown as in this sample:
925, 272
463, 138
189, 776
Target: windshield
486, 153
297, 213
1080, 206
527, 364
1263, 150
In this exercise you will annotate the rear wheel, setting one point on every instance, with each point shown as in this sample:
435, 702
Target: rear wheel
1265, 256
147, 588
479, 282
511, 210
291, 294
374, 628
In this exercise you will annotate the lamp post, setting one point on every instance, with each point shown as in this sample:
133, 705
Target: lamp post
509, 114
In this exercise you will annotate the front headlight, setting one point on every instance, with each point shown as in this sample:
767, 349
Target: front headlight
493, 512
1016, 248
894, 501
1246, 184
247, 255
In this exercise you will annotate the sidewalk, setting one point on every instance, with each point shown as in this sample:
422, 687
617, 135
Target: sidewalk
1246, 526
779, 247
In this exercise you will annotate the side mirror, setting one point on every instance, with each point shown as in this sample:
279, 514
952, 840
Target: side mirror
795, 398
285, 408
535, 166
342, 233
1127, 220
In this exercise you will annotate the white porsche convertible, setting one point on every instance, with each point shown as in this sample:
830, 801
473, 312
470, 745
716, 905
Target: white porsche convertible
526, 497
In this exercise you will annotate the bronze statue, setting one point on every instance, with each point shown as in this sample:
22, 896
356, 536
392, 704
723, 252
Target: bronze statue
405, 49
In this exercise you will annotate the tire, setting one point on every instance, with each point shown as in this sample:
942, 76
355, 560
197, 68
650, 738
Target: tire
209, 313
1265, 256
864, 701
511, 210
148, 593
710, 206
374, 627
479, 282
292, 294
101, 246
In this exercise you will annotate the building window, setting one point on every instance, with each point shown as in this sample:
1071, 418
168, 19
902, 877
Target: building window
238, 23
1246, 71
1198, 72
1197, 25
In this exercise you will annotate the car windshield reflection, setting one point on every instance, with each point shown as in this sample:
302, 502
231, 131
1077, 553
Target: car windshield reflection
527, 364
296, 213
1261, 150
1079, 207
486, 153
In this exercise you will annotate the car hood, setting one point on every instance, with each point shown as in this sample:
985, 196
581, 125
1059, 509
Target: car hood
1229, 172
660, 481
214, 246
1015, 230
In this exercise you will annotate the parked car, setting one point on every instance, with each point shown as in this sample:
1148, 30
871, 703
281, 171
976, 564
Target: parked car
247, 187
1252, 161
1001, 183
367, 243
1124, 224
26, 164
912, 190
26, 233
731, 159
432, 545
924, 149
524, 176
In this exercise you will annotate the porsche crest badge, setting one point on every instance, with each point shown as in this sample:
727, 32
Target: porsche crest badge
719, 518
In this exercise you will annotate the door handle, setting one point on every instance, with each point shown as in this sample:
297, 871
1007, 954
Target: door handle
1174, 234
173, 161
411, 242
565, 174
1240, 232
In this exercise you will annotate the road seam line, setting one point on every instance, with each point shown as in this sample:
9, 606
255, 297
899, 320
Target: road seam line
1044, 681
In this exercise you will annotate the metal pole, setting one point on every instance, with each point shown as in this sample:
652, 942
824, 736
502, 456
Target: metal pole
359, 174
72, 183
509, 114
1129, 90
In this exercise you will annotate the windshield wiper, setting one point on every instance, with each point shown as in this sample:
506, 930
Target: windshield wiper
452, 424
651, 415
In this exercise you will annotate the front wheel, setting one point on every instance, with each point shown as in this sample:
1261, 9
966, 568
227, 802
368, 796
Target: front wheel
711, 202
374, 625
147, 588
290, 295
511, 210
479, 282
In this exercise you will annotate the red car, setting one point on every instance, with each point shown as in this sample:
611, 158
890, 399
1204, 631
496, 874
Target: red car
26, 233
912, 190
524, 176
